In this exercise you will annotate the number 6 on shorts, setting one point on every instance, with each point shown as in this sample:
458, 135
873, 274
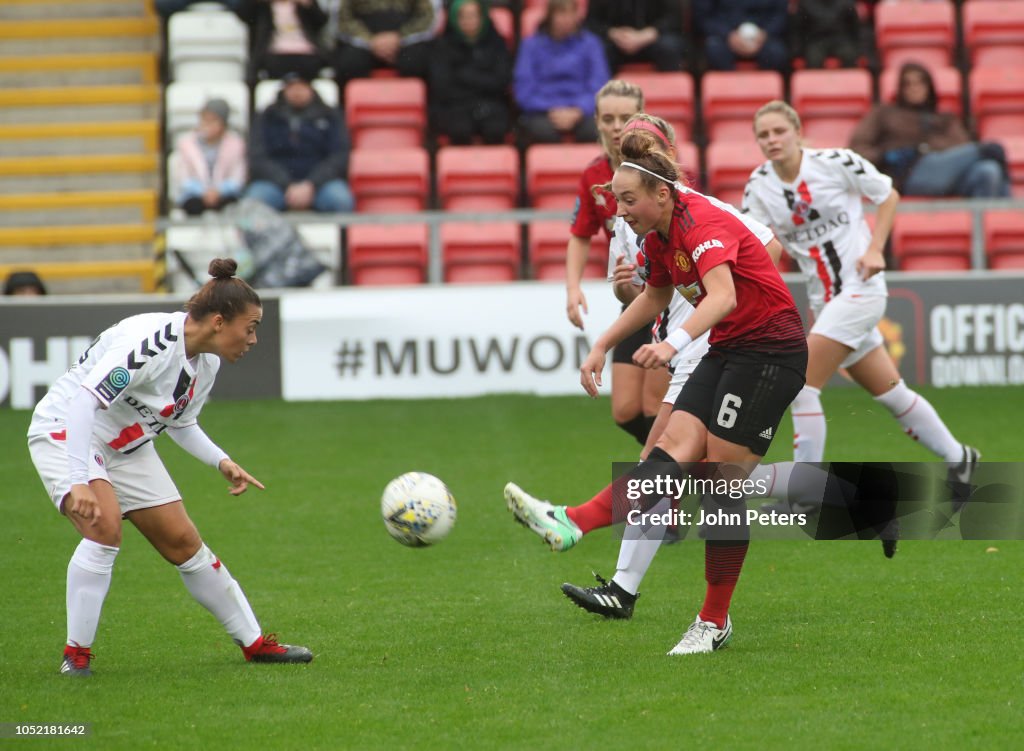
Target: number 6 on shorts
727, 414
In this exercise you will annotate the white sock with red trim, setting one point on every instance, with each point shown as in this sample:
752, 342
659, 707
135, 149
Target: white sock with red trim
89, 573
809, 428
210, 582
921, 422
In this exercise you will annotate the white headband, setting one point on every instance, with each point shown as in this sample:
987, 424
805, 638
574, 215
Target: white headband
634, 165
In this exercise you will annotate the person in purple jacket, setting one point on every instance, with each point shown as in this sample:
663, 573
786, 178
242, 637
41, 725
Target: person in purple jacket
558, 71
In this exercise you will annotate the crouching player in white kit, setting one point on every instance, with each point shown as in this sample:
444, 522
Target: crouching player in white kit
812, 198
91, 442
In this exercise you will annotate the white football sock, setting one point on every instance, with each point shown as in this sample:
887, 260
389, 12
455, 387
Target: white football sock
210, 582
921, 422
89, 574
809, 428
639, 546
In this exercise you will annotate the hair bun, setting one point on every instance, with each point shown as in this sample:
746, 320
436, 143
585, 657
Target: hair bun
223, 268
637, 143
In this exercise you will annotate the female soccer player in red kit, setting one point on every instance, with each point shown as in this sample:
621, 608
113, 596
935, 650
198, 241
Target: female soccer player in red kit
730, 408
636, 392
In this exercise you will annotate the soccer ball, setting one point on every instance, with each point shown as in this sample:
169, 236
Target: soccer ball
418, 509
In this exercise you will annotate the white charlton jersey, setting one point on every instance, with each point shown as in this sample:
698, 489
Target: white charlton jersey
138, 371
819, 218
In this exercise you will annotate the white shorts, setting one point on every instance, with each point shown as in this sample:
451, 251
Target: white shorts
853, 321
682, 372
140, 479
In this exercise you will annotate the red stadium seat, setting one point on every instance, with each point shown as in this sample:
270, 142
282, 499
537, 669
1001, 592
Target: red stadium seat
688, 157
925, 32
480, 252
1004, 239
478, 178
948, 86
553, 173
547, 243
994, 32
932, 241
731, 98
388, 255
669, 96
997, 101
729, 166
386, 113
1014, 146
830, 103
389, 181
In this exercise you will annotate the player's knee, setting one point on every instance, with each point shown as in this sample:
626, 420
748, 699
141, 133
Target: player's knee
181, 545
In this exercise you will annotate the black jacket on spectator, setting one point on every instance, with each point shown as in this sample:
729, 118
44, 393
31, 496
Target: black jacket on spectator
469, 84
288, 145
826, 28
259, 16
663, 15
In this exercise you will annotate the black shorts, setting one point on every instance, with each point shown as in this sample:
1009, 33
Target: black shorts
623, 351
742, 396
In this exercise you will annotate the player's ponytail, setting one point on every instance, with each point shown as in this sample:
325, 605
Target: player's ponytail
225, 293
645, 150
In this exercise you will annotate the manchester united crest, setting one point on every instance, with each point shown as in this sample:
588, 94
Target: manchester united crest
682, 261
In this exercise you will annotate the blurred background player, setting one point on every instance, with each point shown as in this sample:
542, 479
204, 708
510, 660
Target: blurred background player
812, 198
91, 442
636, 391
731, 405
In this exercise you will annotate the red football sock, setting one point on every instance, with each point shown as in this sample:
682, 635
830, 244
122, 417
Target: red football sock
595, 513
722, 565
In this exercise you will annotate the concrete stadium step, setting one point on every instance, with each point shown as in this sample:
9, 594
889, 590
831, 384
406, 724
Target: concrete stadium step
114, 137
22, 254
80, 103
79, 173
85, 277
75, 235
11, 10
56, 36
43, 71
87, 207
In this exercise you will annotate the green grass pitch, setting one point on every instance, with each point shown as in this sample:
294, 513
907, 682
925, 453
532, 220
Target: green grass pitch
470, 644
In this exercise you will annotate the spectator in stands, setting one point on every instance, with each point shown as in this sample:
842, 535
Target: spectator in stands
384, 34
743, 29
639, 31
298, 152
24, 283
285, 36
927, 152
209, 163
167, 8
825, 29
558, 71
470, 73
